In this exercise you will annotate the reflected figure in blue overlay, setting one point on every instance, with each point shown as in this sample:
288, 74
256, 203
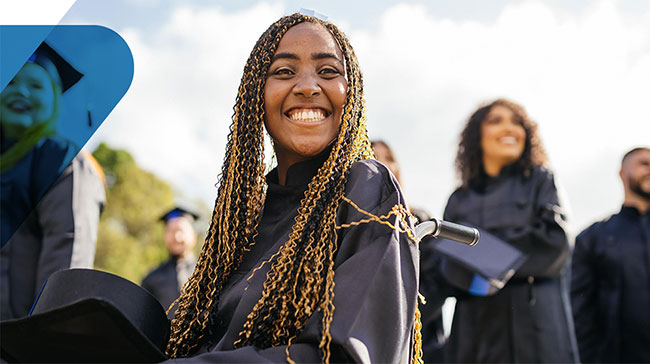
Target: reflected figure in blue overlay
49, 207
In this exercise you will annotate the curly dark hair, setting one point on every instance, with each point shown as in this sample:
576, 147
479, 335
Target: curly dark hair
301, 278
469, 159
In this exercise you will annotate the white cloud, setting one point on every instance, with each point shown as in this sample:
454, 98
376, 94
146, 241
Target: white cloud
584, 76
176, 115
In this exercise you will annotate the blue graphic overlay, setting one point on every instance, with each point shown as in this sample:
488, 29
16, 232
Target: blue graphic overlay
59, 83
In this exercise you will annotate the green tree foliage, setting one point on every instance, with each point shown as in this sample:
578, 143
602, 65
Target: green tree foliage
130, 237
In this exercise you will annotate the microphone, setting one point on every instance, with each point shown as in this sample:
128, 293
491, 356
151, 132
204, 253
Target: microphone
447, 230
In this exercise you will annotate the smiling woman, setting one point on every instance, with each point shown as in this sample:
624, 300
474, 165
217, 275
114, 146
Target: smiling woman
28, 100
509, 192
312, 262
49, 202
304, 94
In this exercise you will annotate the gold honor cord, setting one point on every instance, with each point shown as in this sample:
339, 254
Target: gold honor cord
403, 227
402, 213
287, 302
398, 210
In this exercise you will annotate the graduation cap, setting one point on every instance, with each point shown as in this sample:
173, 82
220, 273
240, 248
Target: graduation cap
482, 269
85, 315
61, 71
178, 212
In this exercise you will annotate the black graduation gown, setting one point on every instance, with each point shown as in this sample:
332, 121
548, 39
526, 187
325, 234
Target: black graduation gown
376, 276
49, 213
610, 289
25, 184
162, 283
529, 320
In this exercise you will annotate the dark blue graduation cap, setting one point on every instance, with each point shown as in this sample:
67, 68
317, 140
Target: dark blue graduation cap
178, 212
61, 71
483, 269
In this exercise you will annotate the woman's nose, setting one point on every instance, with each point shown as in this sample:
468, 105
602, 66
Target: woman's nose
511, 125
22, 89
307, 86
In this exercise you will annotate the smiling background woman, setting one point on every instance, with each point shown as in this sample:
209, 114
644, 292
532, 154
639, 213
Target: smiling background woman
50, 202
508, 191
286, 273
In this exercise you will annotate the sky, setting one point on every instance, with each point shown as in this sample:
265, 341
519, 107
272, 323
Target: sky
580, 68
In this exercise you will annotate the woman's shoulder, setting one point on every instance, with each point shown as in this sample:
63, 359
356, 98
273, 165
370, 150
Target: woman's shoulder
52, 155
540, 178
372, 174
457, 198
539, 173
54, 147
369, 183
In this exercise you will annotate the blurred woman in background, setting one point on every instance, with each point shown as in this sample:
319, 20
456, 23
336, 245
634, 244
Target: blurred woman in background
508, 190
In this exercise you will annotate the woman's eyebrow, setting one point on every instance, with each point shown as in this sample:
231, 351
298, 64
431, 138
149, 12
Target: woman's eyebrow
285, 56
33, 79
324, 55
314, 56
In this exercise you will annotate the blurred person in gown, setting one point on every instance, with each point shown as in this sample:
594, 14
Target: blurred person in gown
166, 280
433, 336
508, 191
49, 208
610, 280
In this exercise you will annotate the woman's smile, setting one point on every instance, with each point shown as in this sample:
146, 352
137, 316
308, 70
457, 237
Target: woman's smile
19, 105
308, 115
304, 94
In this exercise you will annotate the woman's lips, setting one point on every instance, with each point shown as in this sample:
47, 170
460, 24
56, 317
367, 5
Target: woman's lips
19, 106
307, 114
509, 140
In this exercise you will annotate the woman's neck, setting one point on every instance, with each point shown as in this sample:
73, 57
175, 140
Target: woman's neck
10, 131
492, 167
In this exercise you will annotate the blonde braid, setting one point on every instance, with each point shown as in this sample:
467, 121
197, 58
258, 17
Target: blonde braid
300, 280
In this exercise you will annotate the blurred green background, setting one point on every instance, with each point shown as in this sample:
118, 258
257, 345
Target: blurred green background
130, 235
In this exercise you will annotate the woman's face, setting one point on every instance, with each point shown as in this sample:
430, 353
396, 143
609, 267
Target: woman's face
502, 137
385, 156
28, 99
305, 92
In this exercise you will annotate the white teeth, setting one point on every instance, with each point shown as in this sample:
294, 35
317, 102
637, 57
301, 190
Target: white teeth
508, 140
18, 105
310, 115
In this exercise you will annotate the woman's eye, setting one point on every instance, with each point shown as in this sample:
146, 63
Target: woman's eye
283, 72
329, 71
37, 86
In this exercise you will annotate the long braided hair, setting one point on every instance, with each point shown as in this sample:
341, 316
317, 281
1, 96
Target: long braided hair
301, 277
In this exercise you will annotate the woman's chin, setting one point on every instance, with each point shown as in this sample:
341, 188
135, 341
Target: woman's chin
14, 126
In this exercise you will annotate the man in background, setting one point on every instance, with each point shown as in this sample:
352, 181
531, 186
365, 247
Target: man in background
610, 290
166, 281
